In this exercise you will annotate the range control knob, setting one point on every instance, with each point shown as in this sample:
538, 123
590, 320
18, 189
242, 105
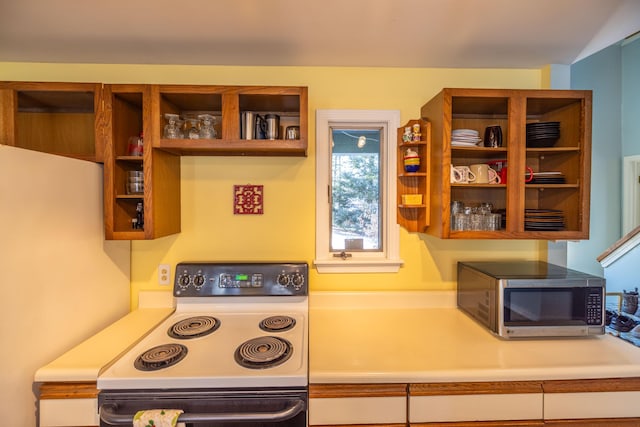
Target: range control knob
198, 280
184, 280
298, 281
283, 280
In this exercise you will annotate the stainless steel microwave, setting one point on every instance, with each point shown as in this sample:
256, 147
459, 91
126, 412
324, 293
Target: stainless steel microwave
516, 299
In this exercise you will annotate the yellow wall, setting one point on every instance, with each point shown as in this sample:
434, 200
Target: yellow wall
285, 231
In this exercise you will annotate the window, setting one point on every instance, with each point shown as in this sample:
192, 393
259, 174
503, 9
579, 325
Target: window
356, 229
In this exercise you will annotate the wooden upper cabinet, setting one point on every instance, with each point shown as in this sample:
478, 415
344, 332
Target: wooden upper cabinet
555, 204
128, 119
57, 118
229, 105
132, 110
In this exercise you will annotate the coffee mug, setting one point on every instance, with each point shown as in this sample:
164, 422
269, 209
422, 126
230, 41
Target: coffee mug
484, 174
493, 136
528, 176
462, 175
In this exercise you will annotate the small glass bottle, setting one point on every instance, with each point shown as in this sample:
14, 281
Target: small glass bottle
139, 216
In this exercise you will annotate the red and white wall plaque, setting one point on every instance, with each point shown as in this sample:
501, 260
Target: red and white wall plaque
248, 199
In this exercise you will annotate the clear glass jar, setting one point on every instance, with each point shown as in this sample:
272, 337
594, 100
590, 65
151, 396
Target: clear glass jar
171, 129
207, 130
193, 131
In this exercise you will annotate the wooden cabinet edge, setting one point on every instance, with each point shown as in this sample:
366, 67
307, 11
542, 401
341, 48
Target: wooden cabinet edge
462, 388
592, 385
509, 423
320, 391
594, 422
68, 390
358, 425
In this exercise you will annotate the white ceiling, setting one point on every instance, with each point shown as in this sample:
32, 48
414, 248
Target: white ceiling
394, 33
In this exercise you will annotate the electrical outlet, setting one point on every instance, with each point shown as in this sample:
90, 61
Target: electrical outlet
164, 274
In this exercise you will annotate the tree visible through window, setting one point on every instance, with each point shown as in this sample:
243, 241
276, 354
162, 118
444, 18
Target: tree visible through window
356, 202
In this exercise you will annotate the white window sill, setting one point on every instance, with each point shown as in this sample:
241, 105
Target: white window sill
358, 265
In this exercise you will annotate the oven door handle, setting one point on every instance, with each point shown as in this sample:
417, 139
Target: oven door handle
109, 415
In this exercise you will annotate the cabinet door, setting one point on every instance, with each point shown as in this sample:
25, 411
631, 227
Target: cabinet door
543, 162
592, 399
56, 118
490, 401
148, 180
68, 404
361, 404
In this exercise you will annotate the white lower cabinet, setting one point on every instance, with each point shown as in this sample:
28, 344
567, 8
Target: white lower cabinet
475, 407
342, 404
620, 404
69, 404
555, 403
357, 410
606, 398
69, 412
475, 401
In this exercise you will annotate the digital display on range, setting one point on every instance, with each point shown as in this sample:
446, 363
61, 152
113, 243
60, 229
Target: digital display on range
240, 280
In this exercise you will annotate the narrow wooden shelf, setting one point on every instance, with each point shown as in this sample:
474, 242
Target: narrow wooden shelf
237, 147
414, 218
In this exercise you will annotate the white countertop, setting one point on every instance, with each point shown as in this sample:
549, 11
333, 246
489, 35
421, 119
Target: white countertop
389, 337
421, 337
85, 361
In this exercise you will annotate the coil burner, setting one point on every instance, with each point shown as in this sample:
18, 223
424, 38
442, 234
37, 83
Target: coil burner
263, 352
194, 327
277, 323
160, 357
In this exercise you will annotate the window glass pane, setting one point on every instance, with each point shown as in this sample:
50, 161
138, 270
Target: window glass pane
356, 202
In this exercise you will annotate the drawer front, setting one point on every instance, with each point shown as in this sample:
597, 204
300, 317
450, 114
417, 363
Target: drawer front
357, 410
69, 412
477, 407
621, 404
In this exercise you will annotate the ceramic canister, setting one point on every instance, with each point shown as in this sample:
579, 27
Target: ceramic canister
411, 161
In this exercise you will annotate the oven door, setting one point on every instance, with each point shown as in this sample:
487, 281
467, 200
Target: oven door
204, 408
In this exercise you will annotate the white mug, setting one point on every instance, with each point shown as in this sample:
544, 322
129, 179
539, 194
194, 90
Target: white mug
462, 175
484, 174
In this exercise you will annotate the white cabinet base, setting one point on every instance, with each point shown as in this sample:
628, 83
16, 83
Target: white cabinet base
620, 404
357, 410
475, 407
69, 412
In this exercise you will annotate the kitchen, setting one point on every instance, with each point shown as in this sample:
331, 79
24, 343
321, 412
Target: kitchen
289, 182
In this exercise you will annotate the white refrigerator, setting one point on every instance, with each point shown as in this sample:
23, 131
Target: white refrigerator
60, 281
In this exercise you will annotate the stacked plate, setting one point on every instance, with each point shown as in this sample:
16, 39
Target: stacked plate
542, 134
465, 138
547, 178
543, 220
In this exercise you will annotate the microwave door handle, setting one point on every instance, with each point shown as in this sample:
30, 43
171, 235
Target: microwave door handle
109, 415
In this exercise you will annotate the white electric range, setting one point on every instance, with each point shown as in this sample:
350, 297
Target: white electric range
237, 344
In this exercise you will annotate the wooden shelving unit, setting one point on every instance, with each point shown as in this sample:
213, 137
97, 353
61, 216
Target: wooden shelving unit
414, 217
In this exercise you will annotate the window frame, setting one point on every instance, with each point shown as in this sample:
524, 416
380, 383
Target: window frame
388, 260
